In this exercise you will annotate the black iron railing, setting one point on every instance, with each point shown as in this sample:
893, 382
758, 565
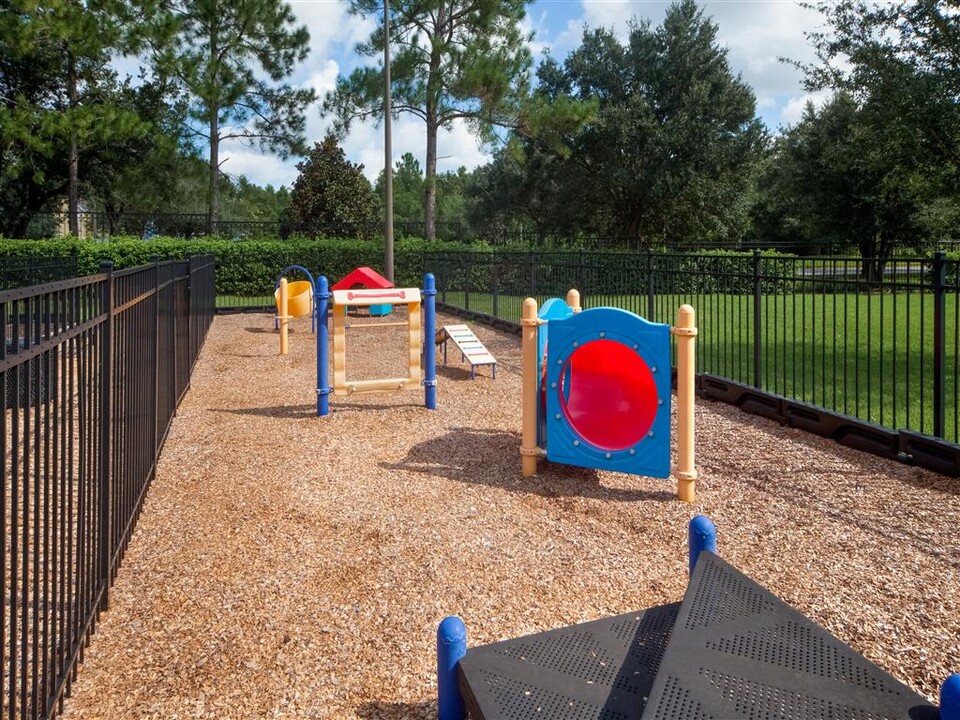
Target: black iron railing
24, 271
90, 373
867, 339
96, 224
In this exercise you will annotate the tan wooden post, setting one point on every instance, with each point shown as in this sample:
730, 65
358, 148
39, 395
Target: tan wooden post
284, 317
529, 451
686, 332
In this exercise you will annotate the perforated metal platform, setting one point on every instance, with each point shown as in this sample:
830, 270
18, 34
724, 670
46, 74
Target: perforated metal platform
600, 670
737, 651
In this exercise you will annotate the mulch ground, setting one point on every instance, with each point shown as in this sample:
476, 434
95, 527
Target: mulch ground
297, 567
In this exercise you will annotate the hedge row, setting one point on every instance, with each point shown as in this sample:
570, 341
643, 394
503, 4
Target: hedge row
249, 268
608, 273
246, 268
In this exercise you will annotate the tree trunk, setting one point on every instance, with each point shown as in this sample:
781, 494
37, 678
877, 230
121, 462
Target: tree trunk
635, 233
73, 193
430, 181
213, 210
433, 127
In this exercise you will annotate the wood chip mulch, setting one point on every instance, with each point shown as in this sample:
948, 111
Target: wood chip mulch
287, 566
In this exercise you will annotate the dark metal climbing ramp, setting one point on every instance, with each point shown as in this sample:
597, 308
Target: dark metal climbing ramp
738, 651
730, 650
601, 670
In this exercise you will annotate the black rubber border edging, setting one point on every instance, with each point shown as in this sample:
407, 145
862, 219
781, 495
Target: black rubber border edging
906, 446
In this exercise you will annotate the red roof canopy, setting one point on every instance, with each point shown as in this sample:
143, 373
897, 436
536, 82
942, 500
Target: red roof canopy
363, 277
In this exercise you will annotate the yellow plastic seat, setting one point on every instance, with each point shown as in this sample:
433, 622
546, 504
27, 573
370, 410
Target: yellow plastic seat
299, 298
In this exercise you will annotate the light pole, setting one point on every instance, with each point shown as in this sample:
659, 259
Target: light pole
387, 150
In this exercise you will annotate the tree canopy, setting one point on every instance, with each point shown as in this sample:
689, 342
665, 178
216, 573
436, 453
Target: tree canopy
231, 60
671, 150
453, 60
332, 196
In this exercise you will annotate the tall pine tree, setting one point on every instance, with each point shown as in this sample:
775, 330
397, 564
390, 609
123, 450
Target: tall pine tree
231, 58
452, 60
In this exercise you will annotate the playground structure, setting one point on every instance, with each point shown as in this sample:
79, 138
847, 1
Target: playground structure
294, 299
421, 329
730, 649
596, 390
364, 278
471, 349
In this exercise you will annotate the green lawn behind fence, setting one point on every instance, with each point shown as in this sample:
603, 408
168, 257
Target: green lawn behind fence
866, 355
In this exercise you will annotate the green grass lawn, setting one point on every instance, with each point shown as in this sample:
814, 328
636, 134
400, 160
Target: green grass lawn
865, 355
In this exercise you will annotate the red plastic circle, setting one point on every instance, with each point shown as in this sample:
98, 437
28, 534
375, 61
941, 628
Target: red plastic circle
612, 398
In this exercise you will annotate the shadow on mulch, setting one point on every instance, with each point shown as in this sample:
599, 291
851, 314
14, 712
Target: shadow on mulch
378, 710
310, 411
337, 406
461, 371
491, 458
263, 330
293, 412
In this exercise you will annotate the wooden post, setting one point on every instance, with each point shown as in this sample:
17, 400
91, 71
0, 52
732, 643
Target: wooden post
686, 332
284, 317
528, 441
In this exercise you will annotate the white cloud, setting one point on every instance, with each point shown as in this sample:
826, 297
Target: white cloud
615, 14
794, 107
333, 30
324, 79
534, 28
756, 34
455, 147
259, 168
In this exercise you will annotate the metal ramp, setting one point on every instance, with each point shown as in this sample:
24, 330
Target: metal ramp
599, 670
738, 651
470, 347
730, 650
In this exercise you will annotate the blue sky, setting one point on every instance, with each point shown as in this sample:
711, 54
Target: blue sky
755, 32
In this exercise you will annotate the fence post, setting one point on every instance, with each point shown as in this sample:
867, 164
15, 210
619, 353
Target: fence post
939, 343
757, 288
651, 305
155, 259
466, 282
191, 315
444, 277
580, 277
106, 419
495, 278
533, 274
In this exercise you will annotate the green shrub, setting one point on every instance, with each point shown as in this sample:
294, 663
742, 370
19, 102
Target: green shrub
538, 272
245, 268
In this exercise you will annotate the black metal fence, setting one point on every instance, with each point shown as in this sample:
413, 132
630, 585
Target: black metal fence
23, 271
91, 371
97, 224
875, 341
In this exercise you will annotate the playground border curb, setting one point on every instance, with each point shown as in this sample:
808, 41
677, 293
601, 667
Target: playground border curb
905, 446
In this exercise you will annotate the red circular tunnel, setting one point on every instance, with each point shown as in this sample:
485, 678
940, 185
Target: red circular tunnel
611, 397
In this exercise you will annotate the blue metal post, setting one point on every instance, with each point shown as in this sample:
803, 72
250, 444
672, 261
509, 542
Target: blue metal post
451, 646
950, 698
323, 371
703, 536
429, 335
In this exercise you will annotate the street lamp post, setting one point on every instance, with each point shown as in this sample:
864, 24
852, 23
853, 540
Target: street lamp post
387, 150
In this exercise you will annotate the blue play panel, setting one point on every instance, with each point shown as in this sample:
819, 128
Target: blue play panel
607, 390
